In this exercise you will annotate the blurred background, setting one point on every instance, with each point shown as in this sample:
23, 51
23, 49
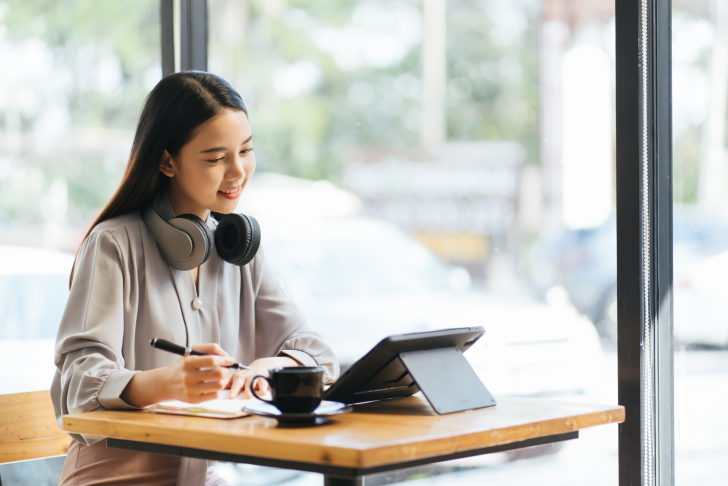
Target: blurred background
422, 164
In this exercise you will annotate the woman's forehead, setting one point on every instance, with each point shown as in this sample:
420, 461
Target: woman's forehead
228, 127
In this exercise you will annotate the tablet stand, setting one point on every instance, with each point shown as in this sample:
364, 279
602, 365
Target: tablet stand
447, 380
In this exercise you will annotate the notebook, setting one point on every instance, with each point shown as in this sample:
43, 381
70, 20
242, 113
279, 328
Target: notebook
222, 407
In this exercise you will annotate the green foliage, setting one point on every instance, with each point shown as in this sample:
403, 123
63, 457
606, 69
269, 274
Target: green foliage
97, 59
79, 32
493, 80
351, 107
493, 87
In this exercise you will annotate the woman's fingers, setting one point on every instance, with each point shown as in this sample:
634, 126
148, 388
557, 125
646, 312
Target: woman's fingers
206, 380
198, 378
205, 387
196, 375
205, 384
199, 392
210, 348
227, 381
197, 362
204, 375
260, 385
242, 381
238, 382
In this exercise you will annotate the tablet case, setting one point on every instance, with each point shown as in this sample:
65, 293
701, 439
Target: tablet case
447, 380
401, 365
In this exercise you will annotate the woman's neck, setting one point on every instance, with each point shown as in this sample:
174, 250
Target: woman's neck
182, 205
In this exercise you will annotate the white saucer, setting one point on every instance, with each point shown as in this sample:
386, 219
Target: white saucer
326, 409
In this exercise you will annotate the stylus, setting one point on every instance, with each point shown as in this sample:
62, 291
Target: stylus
182, 351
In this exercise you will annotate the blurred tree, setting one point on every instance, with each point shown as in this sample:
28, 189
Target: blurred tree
121, 38
493, 72
74, 77
325, 80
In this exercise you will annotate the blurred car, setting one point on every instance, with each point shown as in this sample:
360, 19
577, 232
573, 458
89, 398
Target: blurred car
701, 292
585, 261
360, 280
33, 295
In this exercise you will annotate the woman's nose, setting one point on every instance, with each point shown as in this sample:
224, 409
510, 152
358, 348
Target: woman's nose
238, 170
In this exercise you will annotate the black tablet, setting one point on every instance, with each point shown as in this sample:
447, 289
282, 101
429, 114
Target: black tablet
381, 373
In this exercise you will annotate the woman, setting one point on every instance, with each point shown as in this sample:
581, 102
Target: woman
192, 154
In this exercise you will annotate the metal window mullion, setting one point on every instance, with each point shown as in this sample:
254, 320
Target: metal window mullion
663, 251
198, 34
166, 19
644, 232
184, 35
629, 245
179, 34
647, 388
660, 252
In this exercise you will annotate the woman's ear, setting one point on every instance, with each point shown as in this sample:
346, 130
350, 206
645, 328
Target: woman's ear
167, 166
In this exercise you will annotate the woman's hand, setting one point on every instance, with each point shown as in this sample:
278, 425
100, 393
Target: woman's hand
241, 379
195, 379
192, 379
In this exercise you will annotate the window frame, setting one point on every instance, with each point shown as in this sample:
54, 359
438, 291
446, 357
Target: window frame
644, 241
184, 35
637, 218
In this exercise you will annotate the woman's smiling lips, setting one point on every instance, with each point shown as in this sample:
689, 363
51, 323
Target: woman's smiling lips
232, 193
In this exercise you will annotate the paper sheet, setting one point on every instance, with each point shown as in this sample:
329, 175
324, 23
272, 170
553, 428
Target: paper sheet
221, 407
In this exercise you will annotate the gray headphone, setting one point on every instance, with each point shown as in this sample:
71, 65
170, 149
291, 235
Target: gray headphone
185, 242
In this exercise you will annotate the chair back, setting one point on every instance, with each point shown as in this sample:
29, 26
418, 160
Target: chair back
28, 428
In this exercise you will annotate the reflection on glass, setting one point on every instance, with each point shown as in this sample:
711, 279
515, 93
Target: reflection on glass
700, 84
431, 164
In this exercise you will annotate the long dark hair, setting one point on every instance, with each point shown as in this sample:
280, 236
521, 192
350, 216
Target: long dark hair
177, 106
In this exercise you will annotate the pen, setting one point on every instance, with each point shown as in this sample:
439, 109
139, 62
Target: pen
182, 351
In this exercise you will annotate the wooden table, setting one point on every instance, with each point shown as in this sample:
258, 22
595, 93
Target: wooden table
377, 437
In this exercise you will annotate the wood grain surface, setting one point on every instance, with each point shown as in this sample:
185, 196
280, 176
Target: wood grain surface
28, 428
375, 434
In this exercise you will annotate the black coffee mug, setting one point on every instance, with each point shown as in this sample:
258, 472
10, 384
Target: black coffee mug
295, 389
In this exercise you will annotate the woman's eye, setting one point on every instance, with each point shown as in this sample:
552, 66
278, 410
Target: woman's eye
245, 151
216, 160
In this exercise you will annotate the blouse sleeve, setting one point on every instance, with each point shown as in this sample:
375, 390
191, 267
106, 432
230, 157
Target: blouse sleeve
90, 369
281, 327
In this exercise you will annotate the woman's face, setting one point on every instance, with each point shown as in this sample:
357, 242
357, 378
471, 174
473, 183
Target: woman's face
212, 169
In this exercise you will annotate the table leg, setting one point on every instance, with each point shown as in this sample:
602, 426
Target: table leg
334, 481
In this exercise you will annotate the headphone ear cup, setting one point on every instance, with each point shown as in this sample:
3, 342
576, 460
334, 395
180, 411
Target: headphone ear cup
207, 235
237, 238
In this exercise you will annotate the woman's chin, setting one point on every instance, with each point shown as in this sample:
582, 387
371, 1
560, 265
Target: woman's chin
226, 207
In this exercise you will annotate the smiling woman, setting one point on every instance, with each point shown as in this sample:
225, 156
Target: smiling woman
200, 184
185, 115
213, 168
191, 159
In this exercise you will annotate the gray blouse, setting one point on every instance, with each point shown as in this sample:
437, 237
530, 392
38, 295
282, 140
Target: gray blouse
125, 294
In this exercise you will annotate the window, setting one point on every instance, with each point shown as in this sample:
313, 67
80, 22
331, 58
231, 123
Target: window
73, 80
426, 165
700, 83
458, 157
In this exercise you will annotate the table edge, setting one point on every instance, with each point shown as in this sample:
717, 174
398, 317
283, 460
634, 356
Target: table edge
363, 457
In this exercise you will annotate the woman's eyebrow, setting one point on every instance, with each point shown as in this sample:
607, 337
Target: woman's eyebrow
214, 149
222, 149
